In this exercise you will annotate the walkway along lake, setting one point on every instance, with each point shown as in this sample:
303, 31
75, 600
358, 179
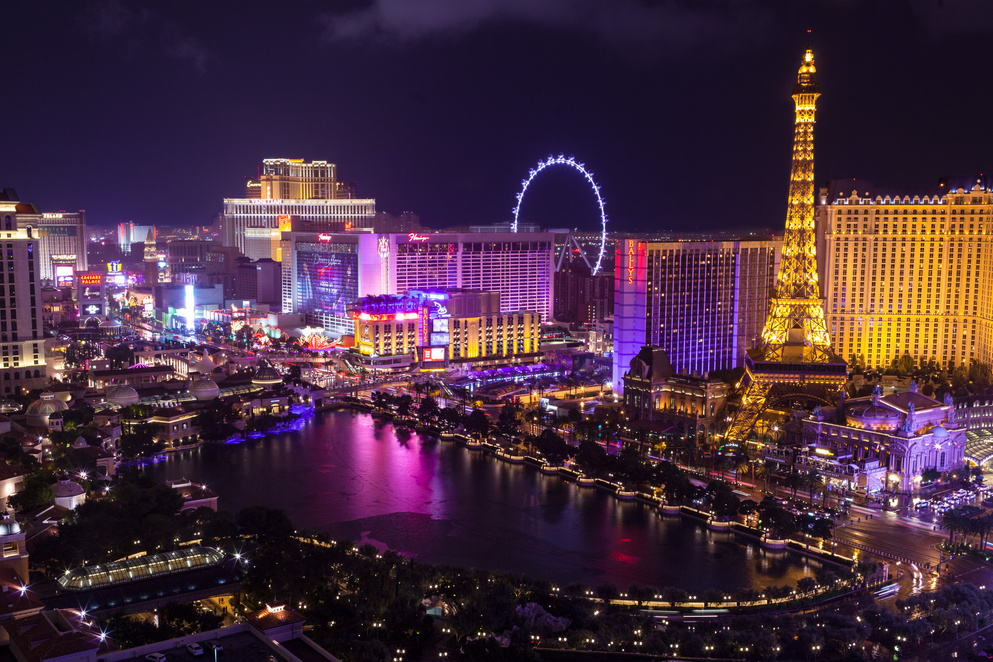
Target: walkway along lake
357, 478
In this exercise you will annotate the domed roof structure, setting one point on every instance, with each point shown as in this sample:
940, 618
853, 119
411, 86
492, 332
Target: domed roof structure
110, 324
123, 396
204, 389
39, 410
67, 488
938, 431
9, 527
873, 416
68, 494
266, 375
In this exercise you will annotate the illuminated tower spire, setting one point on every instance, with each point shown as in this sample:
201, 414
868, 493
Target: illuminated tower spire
796, 314
795, 356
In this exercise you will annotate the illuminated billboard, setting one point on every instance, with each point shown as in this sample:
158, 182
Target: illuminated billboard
327, 281
93, 309
432, 354
90, 279
64, 275
190, 307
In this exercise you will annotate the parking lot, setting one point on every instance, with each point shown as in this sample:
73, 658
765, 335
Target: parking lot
242, 646
942, 503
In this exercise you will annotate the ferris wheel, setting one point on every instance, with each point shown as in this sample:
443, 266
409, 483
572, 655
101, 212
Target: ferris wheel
569, 162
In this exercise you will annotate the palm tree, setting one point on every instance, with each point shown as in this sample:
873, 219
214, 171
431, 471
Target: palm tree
417, 388
985, 524
814, 482
741, 462
793, 481
954, 523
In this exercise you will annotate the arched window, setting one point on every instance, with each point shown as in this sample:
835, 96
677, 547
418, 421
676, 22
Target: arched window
17, 376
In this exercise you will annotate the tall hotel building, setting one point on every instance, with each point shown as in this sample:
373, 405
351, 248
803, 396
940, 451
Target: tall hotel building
908, 273
61, 242
129, 233
703, 302
325, 273
22, 345
291, 188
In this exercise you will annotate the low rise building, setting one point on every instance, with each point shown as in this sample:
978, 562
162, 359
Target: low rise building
136, 376
692, 405
878, 443
176, 427
442, 329
194, 495
974, 411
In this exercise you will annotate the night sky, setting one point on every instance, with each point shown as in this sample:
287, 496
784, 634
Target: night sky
154, 112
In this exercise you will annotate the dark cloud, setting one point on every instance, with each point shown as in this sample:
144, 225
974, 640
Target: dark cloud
954, 17
628, 26
139, 26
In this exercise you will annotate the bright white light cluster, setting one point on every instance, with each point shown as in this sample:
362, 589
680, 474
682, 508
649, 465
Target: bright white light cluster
581, 168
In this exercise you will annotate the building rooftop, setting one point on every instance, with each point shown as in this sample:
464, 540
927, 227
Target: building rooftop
15, 598
178, 560
52, 635
273, 617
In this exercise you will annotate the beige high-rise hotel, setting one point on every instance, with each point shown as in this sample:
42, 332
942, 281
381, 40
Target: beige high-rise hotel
908, 273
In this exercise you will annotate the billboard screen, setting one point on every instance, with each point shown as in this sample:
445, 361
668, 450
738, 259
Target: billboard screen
439, 338
432, 354
92, 309
64, 275
327, 281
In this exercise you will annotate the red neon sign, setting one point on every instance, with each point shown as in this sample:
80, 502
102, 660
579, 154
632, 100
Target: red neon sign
324, 236
413, 236
90, 279
630, 261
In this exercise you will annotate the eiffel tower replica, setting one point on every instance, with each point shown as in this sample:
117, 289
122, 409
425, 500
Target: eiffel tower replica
794, 360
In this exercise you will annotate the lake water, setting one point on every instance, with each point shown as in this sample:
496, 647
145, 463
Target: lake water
356, 478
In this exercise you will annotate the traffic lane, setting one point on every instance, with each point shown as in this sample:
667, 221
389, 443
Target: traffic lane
890, 539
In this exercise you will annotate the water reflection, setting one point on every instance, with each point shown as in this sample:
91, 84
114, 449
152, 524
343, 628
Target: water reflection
355, 478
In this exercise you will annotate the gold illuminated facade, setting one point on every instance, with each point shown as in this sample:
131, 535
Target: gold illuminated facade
291, 193
908, 274
295, 179
795, 353
494, 335
437, 327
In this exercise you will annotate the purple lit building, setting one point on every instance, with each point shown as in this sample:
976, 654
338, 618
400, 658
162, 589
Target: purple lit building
703, 302
326, 272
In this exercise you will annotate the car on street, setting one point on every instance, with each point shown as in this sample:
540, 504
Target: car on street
194, 649
155, 657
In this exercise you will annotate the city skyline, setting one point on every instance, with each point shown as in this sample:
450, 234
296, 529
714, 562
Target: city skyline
155, 115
